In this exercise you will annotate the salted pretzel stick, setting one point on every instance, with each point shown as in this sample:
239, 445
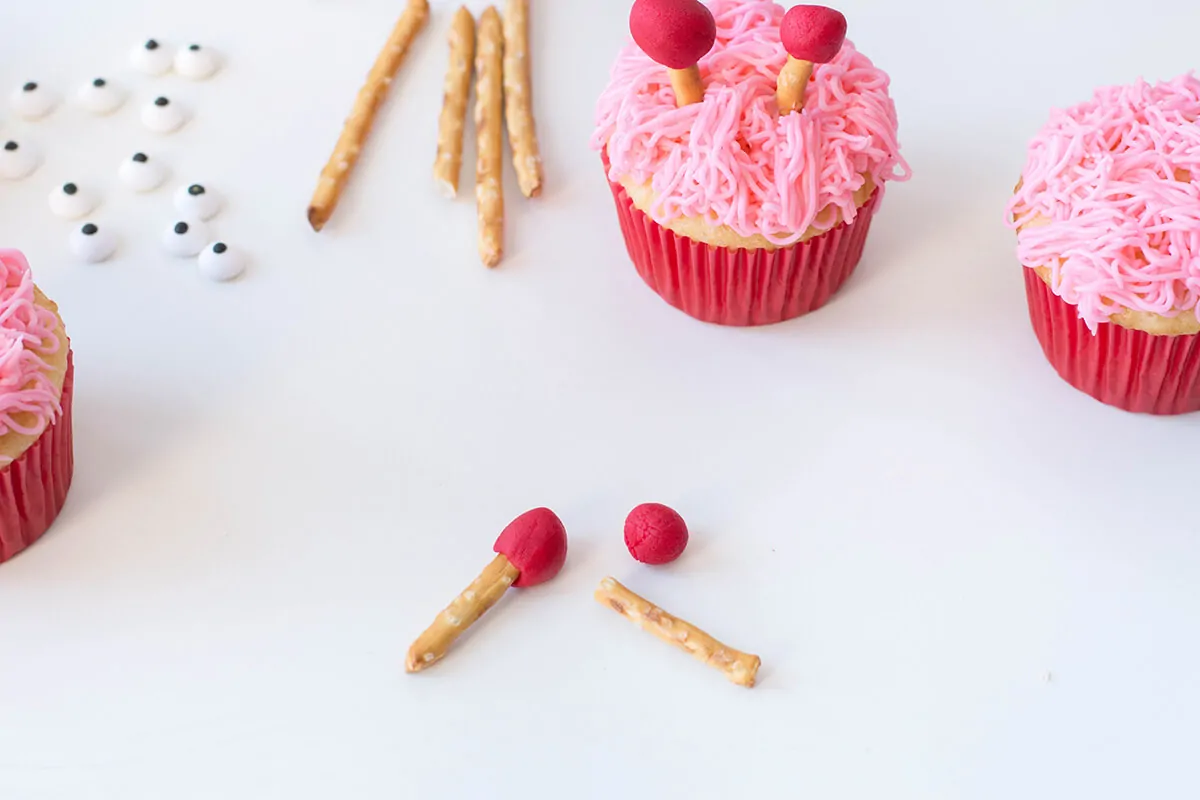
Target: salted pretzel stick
741, 668
457, 92
358, 124
518, 99
467, 608
489, 130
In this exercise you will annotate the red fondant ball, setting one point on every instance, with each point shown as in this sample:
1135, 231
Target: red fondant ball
813, 33
675, 33
536, 544
655, 534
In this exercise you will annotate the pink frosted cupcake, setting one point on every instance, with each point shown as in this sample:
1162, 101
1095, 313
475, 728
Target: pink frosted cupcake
35, 408
732, 211
1107, 215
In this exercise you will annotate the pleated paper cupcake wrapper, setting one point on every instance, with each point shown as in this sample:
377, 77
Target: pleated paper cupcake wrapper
1132, 370
742, 287
34, 487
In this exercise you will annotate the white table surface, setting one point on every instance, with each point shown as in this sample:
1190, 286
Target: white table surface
965, 579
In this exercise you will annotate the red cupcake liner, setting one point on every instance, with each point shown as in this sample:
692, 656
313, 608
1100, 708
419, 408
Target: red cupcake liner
742, 287
1132, 370
34, 487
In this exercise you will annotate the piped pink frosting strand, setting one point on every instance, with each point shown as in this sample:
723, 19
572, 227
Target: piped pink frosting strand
1124, 230
27, 338
732, 159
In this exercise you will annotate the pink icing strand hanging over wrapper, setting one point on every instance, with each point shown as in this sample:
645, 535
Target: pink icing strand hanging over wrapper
732, 159
26, 339
1118, 179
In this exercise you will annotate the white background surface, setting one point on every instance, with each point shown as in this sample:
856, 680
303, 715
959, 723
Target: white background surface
965, 579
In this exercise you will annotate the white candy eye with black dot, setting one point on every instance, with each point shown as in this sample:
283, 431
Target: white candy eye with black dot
220, 262
141, 173
100, 96
151, 58
185, 239
92, 244
196, 62
17, 160
32, 101
72, 201
196, 201
162, 115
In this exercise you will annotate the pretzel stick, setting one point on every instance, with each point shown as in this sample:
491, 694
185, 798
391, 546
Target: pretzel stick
518, 98
358, 125
467, 608
792, 85
452, 122
489, 128
741, 668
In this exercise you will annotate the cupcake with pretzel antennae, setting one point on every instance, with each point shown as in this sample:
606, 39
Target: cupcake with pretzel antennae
747, 147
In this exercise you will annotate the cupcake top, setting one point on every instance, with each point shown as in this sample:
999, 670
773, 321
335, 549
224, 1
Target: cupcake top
1109, 203
732, 159
30, 347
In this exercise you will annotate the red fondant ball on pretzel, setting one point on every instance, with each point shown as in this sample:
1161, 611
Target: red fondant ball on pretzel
536, 544
655, 534
813, 33
675, 33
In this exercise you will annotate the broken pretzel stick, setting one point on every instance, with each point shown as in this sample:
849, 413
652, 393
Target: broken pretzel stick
362, 116
452, 122
518, 99
741, 668
489, 130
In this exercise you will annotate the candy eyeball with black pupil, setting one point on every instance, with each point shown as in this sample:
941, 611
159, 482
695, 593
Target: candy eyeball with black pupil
32, 101
185, 238
196, 63
142, 173
151, 58
72, 201
92, 244
220, 262
196, 201
99, 96
163, 116
18, 160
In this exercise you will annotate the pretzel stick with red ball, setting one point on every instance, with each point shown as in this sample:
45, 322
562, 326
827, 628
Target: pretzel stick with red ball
676, 34
811, 35
532, 550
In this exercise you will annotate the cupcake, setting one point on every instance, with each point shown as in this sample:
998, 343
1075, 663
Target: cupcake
36, 378
737, 206
1107, 215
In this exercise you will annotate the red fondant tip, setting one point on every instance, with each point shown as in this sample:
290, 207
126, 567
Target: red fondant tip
536, 544
655, 534
675, 33
813, 33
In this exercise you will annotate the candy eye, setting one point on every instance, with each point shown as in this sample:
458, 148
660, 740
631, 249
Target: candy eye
219, 262
100, 97
32, 101
70, 201
197, 202
185, 239
150, 58
91, 244
196, 62
17, 160
142, 173
163, 116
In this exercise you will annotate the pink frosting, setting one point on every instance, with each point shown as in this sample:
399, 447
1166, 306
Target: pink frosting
27, 338
1124, 228
732, 159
